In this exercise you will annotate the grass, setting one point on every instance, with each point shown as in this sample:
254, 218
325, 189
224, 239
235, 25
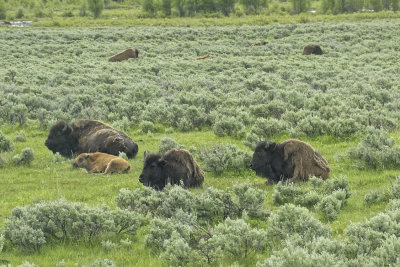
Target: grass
46, 180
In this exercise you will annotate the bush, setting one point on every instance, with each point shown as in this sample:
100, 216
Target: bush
250, 199
290, 220
21, 137
221, 157
229, 126
238, 238
264, 129
2, 241
376, 150
5, 143
96, 7
167, 143
25, 158
18, 114
29, 227
329, 206
146, 127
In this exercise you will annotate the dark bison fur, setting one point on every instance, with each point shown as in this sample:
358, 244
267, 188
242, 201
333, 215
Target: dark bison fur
268, 161
312, 49
175, 167
292, 159
89, 136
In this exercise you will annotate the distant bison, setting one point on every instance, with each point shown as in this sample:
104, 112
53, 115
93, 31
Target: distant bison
101, 163
312, 49
88, 136
128, 53
291, 159
173, 167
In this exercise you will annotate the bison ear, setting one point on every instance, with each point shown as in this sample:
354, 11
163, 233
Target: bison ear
87, 156
66, 129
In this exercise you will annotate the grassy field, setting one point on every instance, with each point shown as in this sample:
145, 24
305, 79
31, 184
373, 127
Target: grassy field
46, 180
63, 73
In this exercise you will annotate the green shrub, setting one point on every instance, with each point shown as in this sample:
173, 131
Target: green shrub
329, 206
146, 127
264, 129
25, 158
5, 143
21, 137
376, 150
290, 220
229, 126
222, 157
96, 7
167, 143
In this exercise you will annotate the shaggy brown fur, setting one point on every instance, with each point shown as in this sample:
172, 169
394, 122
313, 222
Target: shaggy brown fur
307, 162
181, 158
128, 53
206, 56
312, 49
101, 163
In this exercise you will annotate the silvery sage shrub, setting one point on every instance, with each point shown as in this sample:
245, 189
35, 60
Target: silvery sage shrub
222, 157
5, 143
123, 125
264, 129
142, 200
396, 188
376, 150
177, 252
146, 127
229, 126
289, 220
365, 237
374, 196
329, 206
167, 143
30, 226
238, 238
25, 158
250, 200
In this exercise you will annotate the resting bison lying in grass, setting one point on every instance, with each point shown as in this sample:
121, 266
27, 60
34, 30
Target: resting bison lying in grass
101, 163
312, 49
88, 136
291, 159
173, 167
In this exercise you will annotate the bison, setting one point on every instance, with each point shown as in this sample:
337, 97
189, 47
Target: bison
101, 163
312, 49
291, 159
174, 167
89, 136
128, 53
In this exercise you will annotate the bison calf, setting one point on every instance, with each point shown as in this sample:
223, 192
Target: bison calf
101, 163
173, 167
89, 136
291, 159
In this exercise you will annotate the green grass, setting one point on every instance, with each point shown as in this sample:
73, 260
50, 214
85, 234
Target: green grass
46, 180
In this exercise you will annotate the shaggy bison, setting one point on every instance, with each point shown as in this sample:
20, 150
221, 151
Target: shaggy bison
291, 159
173, 167
101, 163
88, 136
268, 161
312, 49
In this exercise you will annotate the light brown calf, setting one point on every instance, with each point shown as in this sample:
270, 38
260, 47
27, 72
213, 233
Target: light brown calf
101, 163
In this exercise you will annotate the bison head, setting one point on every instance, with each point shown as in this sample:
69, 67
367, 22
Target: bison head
262, 157
81, 161
61, 140
153, 174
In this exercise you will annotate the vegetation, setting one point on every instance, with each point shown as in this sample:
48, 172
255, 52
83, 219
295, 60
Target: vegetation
344, 103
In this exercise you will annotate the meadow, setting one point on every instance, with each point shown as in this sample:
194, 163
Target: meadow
239, 95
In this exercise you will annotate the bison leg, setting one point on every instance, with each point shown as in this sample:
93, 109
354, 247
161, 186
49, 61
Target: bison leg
298, 168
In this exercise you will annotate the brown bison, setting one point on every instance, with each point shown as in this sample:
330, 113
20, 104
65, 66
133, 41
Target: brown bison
174, 167
291, 159
89, 136
101, 163
312, 49
128, 53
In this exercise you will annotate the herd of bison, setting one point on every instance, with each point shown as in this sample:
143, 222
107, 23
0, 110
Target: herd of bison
98, 147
